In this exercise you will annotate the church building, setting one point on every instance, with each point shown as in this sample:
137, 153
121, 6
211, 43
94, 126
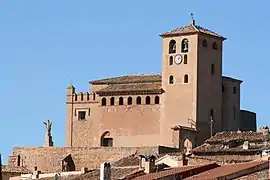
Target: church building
181, 107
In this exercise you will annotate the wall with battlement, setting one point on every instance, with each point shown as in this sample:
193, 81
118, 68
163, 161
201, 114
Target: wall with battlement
47, 159
128, 124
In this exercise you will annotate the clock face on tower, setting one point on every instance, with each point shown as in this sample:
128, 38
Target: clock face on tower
178, 59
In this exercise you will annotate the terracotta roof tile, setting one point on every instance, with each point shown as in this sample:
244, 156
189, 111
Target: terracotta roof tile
220, 148
176, 171
131, 160
263, 174
192, 28
15, 169
95, 174
224, 137
134, 87
226, 170
129, 79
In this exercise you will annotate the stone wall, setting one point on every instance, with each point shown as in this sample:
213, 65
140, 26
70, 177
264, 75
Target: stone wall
47, 159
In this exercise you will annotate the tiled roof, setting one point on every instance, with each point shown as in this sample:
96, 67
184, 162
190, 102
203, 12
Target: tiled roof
224, 137
231, 79
263, 174
138, 87
15, 169
174, 171
116, 173
226, 170
215, 148
190, 29
131, 160
129, 79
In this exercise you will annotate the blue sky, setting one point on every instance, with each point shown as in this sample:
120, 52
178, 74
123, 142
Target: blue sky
45, 44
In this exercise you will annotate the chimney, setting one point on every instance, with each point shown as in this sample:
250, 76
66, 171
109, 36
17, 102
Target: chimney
105, 171
141, 161
84, 170
36, 173
246, 145
149, 164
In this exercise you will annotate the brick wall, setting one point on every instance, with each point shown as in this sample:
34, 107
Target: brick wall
47, 159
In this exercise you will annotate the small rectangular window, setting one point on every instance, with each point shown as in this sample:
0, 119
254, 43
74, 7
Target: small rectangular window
234, 90
82, 115
212, 69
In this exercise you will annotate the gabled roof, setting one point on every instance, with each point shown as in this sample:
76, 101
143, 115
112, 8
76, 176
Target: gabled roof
129, 79
192, 28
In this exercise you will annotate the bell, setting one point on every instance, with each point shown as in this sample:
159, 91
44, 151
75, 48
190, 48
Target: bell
174, 47
185, 48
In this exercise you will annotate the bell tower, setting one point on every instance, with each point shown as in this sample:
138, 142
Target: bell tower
192, 81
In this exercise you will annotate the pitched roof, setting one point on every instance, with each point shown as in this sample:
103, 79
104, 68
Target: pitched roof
192, 28
230, 169
129, 79
116, 173
153, 88
231, 79
224, 137
176, 171
131, 160
219, 148
15, 169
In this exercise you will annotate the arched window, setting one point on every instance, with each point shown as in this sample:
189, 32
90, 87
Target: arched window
171, 80
211, 114
129, 100
204, 43
75, 97
112, 101
185, 59
223, 88
106, 140
184, 45
139, 100
157, 100
87, 97
212, 69
121, 101
214, 46
172, 46
147, 100
103, 102
185, 78
171, 60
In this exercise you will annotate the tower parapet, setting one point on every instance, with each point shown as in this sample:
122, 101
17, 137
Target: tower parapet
79, 97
